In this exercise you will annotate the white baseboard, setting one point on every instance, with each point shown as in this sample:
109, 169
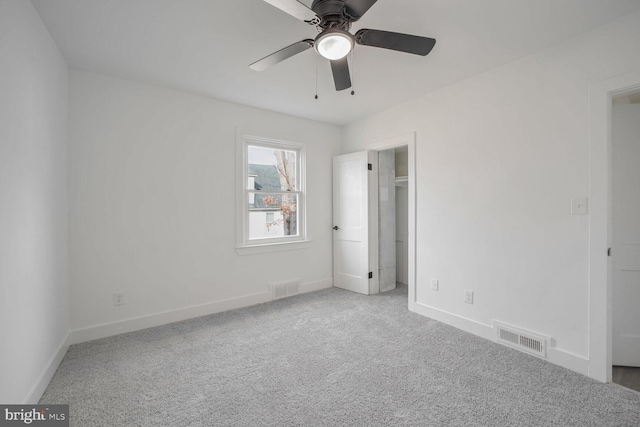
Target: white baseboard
554, 355
135, 324
143, 322
34, 395
568, 360
315, 286
462, 323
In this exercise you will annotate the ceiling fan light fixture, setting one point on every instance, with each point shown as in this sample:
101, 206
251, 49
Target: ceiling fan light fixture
334, 43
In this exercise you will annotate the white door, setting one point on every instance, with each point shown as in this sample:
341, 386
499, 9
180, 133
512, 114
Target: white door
355, 192
626, 234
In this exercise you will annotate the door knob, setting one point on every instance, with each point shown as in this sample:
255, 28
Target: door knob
335, 227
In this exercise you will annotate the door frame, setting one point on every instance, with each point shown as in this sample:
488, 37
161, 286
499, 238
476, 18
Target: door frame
600, 319
409, 140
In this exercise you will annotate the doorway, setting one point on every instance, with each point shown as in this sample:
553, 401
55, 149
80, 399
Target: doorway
625, 239
404, 207
355, 218
600, 271
393, 214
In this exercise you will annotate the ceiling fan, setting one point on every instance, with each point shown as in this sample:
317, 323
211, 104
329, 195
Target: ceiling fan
333, 19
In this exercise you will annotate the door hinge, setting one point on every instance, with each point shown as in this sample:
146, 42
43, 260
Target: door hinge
369, 166
371, 275
609, 252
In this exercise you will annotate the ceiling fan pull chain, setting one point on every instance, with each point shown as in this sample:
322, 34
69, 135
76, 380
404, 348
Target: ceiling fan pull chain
353, 70
316, 77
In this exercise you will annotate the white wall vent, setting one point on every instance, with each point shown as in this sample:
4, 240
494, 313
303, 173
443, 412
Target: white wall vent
284, 289
522, 340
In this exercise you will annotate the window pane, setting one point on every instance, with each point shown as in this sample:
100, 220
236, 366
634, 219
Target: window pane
272, 215
271, 169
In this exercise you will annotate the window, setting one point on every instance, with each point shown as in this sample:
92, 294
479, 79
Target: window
271, 223
272, 197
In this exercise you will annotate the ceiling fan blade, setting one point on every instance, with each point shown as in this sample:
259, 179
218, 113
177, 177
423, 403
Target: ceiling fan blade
295, 9
281, 55
341, 77
395, 41
357, 8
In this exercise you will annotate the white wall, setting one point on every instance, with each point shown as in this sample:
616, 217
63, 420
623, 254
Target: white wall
34, 320
152, 205
499, 157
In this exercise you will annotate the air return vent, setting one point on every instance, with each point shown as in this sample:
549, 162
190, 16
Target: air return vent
522, 340
284, 289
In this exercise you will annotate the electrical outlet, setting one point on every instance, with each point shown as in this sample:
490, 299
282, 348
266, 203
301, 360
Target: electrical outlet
434, 285
118, 298
468, 296
579, 206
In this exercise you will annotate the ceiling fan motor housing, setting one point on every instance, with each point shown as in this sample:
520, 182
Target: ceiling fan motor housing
327, 7
332, 14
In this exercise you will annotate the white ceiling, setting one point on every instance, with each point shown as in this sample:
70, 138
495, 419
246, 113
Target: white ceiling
205, 46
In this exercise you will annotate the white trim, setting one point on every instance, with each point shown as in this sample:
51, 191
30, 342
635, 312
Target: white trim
318, 285
137, 323
373, 221
568, 360
462, 323
408, 139
554, 355
38, 388
600, 323
273, 247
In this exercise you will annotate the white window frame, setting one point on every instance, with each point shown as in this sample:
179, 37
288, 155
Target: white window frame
244, 245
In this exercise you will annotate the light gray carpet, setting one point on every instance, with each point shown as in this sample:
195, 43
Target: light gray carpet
329, 358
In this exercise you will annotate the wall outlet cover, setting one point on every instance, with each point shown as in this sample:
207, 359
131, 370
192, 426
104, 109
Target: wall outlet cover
579, 206
118, 298
468, 296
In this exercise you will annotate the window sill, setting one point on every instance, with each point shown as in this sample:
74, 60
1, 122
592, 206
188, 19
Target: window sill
273, 247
